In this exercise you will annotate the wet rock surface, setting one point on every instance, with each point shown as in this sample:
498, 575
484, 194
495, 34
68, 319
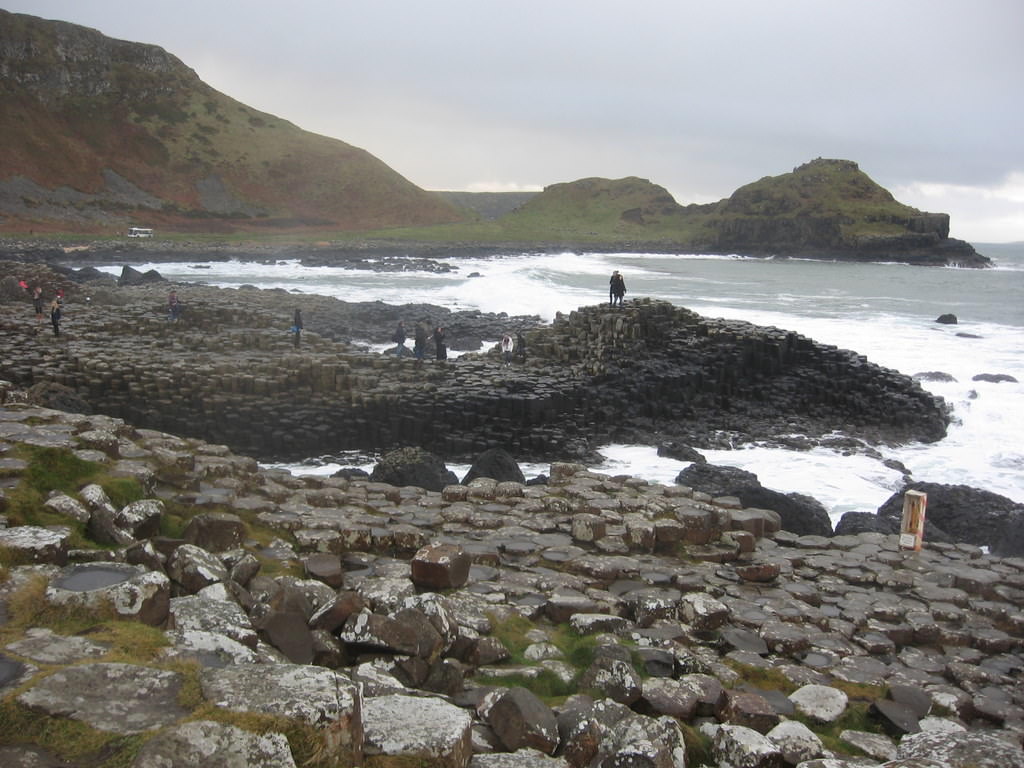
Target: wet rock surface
629, 598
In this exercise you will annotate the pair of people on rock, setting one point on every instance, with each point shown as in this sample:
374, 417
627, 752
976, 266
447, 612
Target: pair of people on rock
616, 289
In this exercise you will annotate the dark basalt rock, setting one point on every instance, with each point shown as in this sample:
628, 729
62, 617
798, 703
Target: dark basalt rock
1011, 542
497, 464
947, 319
413, 466
994, 378
966, 514
800, 513
131, 276
680, 452
50, 394
940, 627
647, 372
852, 523
934, 376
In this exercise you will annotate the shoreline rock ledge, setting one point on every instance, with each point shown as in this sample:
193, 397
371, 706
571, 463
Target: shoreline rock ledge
644, 373
172, 603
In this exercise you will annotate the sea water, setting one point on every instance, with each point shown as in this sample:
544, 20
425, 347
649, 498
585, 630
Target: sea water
886, 312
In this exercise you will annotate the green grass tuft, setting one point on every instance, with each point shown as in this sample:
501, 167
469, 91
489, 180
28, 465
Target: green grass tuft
71, 740
57, 469
765, 678
698, 747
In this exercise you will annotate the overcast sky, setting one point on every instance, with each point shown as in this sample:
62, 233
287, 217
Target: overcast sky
699, 96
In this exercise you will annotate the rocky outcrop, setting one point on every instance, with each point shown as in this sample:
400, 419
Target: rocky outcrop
228, 372
830, 209
638, 591
413, 466
799, 513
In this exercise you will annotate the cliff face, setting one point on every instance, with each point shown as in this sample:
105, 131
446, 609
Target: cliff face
102, 131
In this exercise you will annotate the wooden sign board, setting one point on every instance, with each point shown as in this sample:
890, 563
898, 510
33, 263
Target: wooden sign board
912, 526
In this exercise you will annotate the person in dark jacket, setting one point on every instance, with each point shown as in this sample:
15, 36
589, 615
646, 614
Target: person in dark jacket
55, 313
439, 345
399, 338
297, 326
616, 289
419, 348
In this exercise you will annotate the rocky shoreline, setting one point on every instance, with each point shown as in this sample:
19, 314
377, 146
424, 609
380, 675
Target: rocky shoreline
647, 372
397, 255
412, 619
587, 621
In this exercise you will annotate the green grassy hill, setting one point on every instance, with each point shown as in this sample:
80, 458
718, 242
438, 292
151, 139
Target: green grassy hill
822, 209
134, 134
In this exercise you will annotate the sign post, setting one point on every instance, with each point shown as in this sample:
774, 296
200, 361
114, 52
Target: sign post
912, 526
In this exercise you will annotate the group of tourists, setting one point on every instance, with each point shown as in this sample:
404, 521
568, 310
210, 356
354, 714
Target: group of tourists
421, 337
39, 305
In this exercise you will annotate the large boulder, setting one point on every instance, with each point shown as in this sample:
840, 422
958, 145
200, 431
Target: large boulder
413, 466
853, 523
131, 276
971, 749
50, 394
35, 544
965, 514
106, 696
800, 514
497, 464
519, 719
203, 743
440, 566
317, 696
413, 730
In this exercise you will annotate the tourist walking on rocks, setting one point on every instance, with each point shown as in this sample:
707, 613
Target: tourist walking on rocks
616, 289
37, 303
55, 314
520, 347
399, 338
297, 326
419, 348
439, 345
507, 345
173, 307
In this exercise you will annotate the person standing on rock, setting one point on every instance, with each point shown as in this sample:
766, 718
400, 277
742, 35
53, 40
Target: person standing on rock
37, 304
419, 348
439, 345
616, 289
507, 345
55, 314
399, 338
297, 326
173, 307
520, 347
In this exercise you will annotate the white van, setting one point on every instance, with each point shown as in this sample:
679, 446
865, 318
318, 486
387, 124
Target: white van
139, 232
